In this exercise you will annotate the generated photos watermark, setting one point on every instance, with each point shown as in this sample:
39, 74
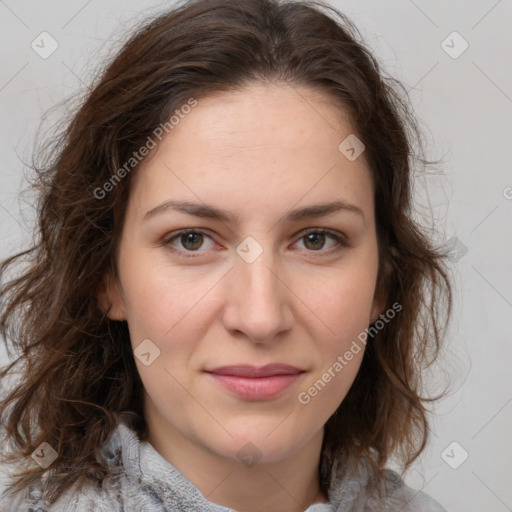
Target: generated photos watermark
143, 151
304, 397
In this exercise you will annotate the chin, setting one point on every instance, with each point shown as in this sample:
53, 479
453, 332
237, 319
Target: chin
266, 443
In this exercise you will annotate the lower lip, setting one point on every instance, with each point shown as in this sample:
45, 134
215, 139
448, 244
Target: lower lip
256, 388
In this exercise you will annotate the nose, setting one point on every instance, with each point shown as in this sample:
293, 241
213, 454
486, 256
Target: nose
258, 300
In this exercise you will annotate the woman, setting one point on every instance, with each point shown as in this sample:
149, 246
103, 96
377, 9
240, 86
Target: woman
228, 305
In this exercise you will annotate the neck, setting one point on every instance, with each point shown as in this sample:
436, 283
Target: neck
290, 485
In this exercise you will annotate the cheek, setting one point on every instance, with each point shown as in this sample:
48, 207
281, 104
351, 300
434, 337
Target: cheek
344, 306
161, 301
346, 301
166, 309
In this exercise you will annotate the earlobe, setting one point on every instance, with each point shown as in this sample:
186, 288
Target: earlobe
376, 312
110, 300
380, 297
378, 306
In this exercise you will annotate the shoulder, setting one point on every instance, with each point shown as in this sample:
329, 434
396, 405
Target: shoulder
27, 500
403, 498
85, 498
88, 496
88, 500
358, 487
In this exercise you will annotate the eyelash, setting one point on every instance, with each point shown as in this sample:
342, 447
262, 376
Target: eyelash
339, 239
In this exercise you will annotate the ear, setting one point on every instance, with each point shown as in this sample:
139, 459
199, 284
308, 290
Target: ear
110, 299
378, 305
380, 297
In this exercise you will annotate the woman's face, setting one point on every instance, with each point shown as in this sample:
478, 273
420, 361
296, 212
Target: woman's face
264, 276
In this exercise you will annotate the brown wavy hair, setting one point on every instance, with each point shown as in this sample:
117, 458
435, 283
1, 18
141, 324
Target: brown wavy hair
75, 366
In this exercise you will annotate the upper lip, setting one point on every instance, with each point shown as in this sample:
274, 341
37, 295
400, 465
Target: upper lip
256, 371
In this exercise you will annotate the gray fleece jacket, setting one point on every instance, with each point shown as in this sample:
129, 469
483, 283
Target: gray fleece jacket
143, 481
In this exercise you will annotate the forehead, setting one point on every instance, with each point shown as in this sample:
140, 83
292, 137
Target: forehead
265, 116
267, 144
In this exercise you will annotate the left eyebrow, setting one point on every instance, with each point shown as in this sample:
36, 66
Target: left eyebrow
321, 210
211, 212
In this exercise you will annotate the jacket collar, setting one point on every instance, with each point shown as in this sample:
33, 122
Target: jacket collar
146, 468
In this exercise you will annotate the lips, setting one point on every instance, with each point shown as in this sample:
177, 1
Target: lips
254, 383
247, 371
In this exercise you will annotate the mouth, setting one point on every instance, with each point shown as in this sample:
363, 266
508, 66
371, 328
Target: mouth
256, 383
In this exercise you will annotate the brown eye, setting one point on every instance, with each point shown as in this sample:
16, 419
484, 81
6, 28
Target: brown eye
190, 241
315, 240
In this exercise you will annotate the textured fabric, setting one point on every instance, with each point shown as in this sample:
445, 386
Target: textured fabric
143, 481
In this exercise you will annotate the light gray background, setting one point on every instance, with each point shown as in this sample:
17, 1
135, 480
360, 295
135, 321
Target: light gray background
465, 105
